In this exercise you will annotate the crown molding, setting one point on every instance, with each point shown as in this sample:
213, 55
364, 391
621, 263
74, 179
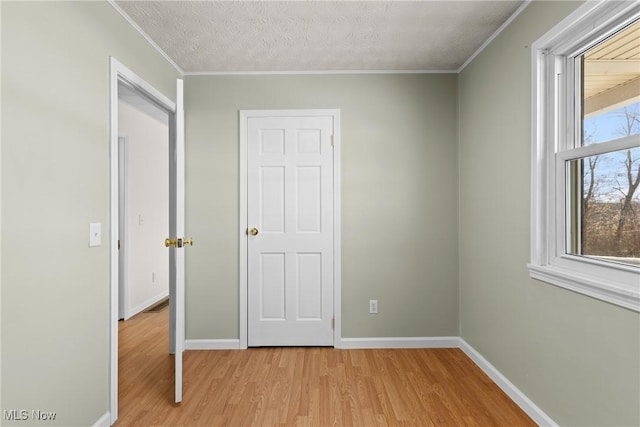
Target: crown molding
146, 36
316, 72
494, 35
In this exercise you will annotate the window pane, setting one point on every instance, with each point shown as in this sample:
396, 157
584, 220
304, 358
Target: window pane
611, 125
611, 87
604, 206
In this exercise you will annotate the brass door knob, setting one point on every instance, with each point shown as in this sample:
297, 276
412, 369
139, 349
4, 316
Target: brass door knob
170, 242
254, 231
188, 241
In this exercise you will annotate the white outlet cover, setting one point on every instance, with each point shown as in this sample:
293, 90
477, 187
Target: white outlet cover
373, 306
95, 234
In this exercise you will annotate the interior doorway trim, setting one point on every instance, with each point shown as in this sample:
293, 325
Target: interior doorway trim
123, 225
244, 116
119, 72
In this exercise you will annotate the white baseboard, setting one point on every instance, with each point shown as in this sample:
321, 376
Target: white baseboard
400, 342
230, 344
146, 304
520, 399
103, 421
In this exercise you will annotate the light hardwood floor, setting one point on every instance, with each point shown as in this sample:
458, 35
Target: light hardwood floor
303, 386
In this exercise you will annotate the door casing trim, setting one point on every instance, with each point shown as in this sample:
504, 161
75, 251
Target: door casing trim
244, 116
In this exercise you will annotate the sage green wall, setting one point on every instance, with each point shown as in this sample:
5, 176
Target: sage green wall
399, 197
55, 181
576, 357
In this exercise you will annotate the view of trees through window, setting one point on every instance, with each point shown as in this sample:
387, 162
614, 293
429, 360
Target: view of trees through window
610, 193
609, 226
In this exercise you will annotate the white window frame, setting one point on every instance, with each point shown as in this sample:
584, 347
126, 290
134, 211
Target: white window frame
554, 88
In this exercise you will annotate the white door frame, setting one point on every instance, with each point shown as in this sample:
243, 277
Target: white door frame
119, 72
242, 232
123, 226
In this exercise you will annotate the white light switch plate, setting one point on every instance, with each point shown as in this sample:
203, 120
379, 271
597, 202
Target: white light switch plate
95, 234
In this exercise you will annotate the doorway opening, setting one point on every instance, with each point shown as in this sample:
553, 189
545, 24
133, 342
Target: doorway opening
143, 194
126, 89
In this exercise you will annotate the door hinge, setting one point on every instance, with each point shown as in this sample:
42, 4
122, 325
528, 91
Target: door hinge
118, 244
333, 323
332, 142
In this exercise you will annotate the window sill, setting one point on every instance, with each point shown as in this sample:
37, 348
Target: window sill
598, 288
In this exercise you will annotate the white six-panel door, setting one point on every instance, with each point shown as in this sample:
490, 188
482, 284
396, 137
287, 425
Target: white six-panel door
290, 218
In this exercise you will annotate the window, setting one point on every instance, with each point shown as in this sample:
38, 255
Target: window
586, 154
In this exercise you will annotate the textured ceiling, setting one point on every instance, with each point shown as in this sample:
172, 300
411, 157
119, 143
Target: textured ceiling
247, 36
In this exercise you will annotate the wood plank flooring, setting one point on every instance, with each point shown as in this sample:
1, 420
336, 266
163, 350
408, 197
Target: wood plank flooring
303, 386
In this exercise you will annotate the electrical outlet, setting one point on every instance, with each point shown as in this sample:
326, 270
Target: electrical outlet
373, 306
